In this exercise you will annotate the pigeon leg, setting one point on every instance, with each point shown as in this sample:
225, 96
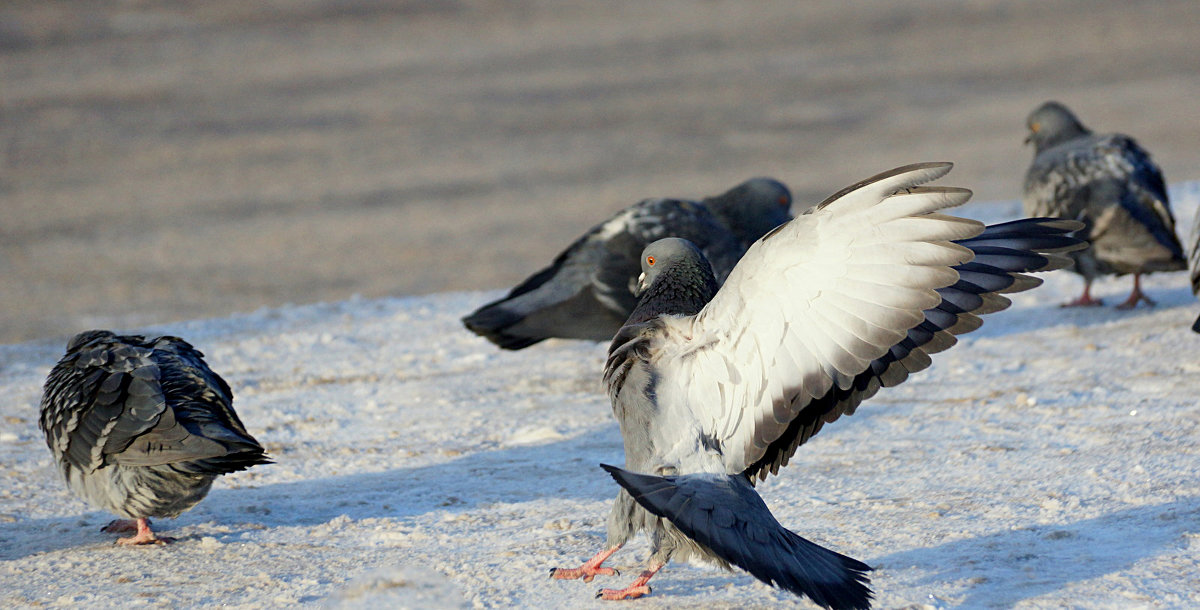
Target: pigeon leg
144, 536
1085, 300
1136, 295
636, 589
589, 569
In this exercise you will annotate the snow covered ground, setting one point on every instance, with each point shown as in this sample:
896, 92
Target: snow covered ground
1051, 459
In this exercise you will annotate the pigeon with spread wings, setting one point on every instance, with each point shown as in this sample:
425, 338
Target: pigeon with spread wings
818, 315
142, 427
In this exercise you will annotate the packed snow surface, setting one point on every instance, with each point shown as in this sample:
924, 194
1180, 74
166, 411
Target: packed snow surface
1051, 459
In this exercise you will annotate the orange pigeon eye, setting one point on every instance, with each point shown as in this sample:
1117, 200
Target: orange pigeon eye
650, 260
783, 200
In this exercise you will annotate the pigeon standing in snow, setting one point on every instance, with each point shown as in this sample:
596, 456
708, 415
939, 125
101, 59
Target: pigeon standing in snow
818, 315
1108, 182
588, 292
141, 428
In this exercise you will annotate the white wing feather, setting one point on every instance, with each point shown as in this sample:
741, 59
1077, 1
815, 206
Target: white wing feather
811, 305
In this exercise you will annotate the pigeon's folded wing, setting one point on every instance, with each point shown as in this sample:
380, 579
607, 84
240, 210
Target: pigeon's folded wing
100, 400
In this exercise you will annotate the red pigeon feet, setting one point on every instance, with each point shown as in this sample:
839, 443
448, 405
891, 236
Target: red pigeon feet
1136, 296
143, 536
588, 570
636, 589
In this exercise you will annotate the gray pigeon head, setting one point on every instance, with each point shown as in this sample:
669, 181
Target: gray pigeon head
665, 255
1052, 124
676, 279
752, 208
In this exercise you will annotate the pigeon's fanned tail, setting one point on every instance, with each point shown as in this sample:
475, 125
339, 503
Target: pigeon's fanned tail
727, 516
517, 322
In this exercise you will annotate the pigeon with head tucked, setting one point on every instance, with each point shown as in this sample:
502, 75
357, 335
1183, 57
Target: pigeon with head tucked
819, 315
589, 290
141, 427
1108, 182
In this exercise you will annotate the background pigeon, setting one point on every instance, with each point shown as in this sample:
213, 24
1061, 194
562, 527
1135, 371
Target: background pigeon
818, 315
588, 292
1110, 184
141, 428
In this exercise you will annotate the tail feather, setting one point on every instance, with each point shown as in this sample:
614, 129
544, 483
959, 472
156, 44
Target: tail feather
726, 515
492, 320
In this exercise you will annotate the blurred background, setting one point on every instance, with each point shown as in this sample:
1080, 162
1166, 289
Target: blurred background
167, 160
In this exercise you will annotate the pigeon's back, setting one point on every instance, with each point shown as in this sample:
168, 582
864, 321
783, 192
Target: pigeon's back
1111, 184
1058, 182
123, 400
588, 291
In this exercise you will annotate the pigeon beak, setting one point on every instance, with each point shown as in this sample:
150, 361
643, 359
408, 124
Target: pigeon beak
641, 285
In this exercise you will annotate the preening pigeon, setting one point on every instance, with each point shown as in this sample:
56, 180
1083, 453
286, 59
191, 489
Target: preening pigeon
587, 293
141, 428
818, 315
1110, 184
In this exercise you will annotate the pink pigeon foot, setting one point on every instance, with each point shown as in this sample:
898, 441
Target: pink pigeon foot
1136, 296
143, 536
588, 570
1084, 300
635, 589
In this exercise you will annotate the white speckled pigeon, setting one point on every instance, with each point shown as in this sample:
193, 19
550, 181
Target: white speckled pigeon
141, 428
1110, 184
587, 293
818, 315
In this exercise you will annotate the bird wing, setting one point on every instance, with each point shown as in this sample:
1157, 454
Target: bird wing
199, 432
100, 400
650, 221
1004, 253
589, 289
129, 403
809, 308
1145, 193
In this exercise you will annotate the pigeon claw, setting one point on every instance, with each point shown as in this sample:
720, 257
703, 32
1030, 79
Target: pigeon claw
632, 592
1133, 301
143, 540
584, 572
1084, 301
